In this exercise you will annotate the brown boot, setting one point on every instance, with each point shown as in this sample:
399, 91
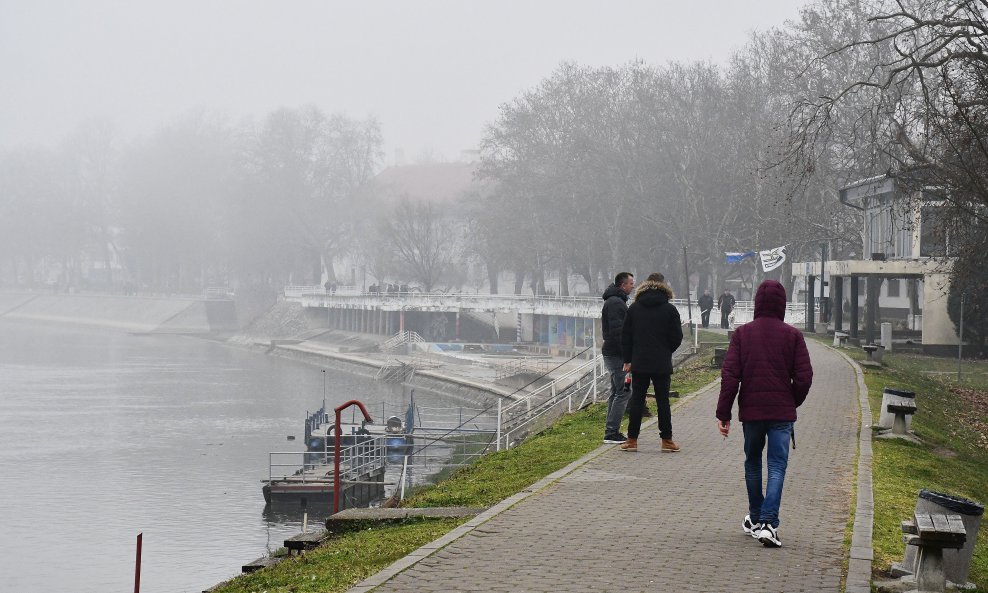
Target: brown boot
669, 446
630, 445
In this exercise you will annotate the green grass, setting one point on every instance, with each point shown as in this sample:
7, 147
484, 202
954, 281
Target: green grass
952, 422
338, 565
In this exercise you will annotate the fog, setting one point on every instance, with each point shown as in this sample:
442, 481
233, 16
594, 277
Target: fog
432, 72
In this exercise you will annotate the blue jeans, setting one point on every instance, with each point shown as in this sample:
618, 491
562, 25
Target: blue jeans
764, 508
618, 399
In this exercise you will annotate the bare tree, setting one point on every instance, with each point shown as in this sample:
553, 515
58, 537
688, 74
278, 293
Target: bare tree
924, 97
424, 242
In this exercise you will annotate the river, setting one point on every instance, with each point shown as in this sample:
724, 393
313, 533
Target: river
104, 435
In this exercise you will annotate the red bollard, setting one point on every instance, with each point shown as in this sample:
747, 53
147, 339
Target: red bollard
137, 570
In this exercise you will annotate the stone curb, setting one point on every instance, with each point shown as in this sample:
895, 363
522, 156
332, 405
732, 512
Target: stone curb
428, 549
862, 552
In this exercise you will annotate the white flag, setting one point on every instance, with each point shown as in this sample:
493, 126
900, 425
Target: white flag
772, 258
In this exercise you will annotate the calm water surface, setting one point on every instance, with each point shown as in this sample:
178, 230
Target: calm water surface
104, 435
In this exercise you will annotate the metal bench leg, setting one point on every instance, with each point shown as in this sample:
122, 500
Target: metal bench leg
899, 424
930, 576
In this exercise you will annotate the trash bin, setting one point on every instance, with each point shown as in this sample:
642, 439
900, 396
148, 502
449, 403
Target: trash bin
886, 418
956, 563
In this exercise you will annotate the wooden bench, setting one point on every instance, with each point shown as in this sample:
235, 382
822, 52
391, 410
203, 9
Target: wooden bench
262, 562
718, 359
840, 339
874, 353
306, 541
931, 533
901, 407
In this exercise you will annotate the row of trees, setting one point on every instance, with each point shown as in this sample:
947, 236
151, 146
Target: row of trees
625, 167
595, 169
197, 203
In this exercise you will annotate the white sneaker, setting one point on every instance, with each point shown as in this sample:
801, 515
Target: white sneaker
750, 528
769, 536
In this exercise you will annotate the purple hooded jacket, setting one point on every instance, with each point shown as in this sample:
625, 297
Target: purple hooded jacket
769, 360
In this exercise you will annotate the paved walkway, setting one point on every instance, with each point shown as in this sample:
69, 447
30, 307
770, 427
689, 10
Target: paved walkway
625, 523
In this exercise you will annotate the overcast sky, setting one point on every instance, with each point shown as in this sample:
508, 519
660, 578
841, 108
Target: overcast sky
433, 72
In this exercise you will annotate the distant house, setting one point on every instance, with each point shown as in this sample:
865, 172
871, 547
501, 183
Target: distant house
438, 183
905, 264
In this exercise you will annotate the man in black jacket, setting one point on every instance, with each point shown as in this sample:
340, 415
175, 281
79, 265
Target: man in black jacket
611, 322
706, 303
726, 304
652, 332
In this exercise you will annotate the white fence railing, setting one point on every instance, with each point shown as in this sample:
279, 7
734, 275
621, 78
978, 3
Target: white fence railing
400, 339
358, 459
571, 306
567, 392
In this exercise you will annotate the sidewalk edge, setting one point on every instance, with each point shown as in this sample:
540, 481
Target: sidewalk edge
861, 553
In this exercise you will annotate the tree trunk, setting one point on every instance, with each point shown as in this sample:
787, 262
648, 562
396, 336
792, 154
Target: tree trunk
492, 274
519, 281
564, 282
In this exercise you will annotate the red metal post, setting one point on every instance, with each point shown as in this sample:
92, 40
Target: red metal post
137, 570
336, 456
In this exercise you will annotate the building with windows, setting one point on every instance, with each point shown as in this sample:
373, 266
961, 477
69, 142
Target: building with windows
906, 265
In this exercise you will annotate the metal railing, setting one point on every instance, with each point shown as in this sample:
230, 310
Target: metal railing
573, 306
215, 293
543, 405
400, 339
515, 366
367, 454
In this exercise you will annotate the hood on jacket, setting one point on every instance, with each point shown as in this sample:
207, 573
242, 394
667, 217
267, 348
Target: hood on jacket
614, 291
770, 300
651, 293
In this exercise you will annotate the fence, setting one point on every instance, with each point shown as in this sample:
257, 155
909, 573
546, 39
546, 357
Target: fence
539, 408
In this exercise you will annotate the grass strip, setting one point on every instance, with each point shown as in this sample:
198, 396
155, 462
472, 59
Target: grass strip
953, 458
345, 561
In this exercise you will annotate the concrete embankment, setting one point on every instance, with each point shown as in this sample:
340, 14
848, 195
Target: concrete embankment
368, 365
129, 313
282, 329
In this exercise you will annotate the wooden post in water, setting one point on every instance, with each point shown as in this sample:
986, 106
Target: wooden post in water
137, 570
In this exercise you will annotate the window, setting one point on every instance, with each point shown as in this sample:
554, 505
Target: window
893, 287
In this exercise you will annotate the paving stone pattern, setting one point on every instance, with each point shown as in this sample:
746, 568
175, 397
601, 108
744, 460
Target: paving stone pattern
652, 521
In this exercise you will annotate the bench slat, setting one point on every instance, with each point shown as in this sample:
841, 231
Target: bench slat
940, 522
956, 524
924, 523
937, 527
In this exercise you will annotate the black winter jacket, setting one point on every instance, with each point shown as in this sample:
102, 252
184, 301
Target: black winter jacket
612, 319
652, 330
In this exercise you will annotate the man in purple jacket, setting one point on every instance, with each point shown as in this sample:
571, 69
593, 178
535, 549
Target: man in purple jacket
768, 360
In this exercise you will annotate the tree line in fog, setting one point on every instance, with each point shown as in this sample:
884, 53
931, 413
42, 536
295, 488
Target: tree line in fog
594, 170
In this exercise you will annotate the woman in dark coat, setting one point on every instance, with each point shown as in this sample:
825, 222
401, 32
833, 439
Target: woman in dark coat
652, 332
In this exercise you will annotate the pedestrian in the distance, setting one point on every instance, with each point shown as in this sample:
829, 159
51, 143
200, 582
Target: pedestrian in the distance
706, 303
725, 302
652, 332
611, 322
768, 360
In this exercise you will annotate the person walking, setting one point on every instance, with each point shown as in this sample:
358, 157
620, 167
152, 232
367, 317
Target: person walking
768, 368
725, 302
611, 322
706, 303
652, 332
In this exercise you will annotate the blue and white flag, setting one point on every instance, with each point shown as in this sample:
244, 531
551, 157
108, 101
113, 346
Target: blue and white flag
735, 257
772, 258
